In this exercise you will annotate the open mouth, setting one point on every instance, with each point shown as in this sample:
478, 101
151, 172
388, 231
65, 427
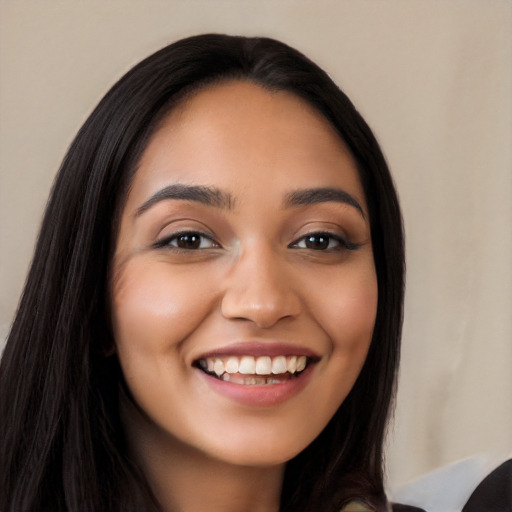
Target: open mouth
250, 371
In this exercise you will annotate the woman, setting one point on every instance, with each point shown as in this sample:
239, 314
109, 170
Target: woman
212, 316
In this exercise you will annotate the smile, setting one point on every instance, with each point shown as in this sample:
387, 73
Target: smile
249, 370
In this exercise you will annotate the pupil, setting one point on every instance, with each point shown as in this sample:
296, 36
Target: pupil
189, 241
317, 242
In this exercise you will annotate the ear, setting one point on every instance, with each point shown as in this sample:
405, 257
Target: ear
109, 350
107, 346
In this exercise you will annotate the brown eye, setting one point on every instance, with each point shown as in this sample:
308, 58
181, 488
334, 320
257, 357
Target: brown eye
190, 240
317, 242
323, 242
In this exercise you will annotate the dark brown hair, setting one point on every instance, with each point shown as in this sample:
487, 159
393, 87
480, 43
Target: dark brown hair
62, 446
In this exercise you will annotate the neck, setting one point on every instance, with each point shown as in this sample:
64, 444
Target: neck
184, 479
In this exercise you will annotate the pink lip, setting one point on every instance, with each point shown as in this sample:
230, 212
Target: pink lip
256, 349
259, 395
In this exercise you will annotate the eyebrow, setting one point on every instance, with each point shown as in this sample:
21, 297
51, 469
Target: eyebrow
322, 195
209, 196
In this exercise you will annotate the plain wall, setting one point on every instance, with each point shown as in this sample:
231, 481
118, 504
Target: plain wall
432, 78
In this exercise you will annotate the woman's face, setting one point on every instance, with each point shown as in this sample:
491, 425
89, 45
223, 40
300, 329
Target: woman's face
244, 290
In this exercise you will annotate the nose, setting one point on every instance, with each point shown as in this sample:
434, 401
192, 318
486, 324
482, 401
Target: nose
259, 289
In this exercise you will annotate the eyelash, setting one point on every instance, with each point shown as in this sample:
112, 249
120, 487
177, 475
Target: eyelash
342, 243
166, 242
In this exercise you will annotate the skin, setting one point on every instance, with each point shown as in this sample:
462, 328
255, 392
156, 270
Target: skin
253, 277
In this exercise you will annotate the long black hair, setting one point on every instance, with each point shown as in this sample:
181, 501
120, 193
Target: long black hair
62, 446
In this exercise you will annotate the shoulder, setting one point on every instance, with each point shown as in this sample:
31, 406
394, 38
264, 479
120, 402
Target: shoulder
494, 494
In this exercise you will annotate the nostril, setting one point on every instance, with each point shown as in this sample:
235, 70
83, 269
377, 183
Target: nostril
262, 307
263, 315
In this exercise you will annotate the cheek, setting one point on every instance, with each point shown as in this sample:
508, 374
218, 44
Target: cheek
346, 311
351, 316
347, 308
152, 309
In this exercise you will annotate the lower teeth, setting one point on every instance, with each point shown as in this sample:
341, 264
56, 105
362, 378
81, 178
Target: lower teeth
253, 380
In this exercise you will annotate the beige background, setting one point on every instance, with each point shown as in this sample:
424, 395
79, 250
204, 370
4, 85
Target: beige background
433, 79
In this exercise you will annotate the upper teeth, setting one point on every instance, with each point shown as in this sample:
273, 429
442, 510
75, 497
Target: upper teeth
249, 365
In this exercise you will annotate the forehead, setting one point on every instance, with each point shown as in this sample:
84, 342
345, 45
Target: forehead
238, 134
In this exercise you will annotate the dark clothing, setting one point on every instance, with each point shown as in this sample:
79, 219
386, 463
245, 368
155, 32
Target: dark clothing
405, 508
494, 494
360, 505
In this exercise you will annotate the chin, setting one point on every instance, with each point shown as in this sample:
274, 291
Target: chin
271, 447
258, 458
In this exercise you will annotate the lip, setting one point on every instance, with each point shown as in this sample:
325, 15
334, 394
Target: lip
257, 349
259, 395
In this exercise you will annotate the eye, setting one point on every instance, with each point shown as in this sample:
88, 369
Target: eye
188, 240
323, 242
